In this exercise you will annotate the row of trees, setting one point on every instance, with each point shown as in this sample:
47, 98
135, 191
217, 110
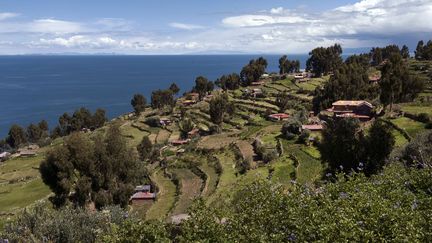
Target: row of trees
37, 133
424, 51
324, 60
253, 71
17, 135
80, 119
287, 66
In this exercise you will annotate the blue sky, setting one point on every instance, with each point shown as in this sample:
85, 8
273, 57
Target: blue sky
197, 26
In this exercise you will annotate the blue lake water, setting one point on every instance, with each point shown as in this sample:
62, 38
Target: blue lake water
33, 88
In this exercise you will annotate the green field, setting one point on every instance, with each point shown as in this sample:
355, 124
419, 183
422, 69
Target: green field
165, 198
410, 126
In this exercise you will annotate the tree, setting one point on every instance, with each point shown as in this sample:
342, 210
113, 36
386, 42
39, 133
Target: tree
174, 88
341, 145
418, 153
16, 136
304, 136
291, 128
377, 56
253, 71
145, 148
324, 60
287, 66
419, 50
349, 82
405, 52
186, 125
393, 74
202, 86
43, 125
379, 144
283, 101
162, 98
99, 118
218, 108
138, 102
228, 82
34, 133
102, 170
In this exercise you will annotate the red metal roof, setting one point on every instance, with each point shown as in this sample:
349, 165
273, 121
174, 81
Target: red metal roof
143, 196
315, 127
279, 115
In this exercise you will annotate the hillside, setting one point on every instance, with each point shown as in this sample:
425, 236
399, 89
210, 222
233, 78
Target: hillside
209, 166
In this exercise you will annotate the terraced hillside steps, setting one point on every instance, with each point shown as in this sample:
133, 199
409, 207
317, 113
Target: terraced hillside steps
212, 179
165, 199
190, 189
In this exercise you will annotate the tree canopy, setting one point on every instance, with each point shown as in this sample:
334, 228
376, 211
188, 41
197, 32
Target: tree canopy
324, 60
138, 102
202, 86
102, 170
287, 66
253, 71
228, 82
424, 51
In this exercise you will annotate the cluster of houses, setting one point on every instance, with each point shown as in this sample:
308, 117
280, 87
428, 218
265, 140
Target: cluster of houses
341, 109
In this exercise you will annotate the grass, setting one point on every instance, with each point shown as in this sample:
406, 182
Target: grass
134, 135
410, 126
212, 180
416, 109
283, 170
165, 198
190, 189
400, 140
20, 195
226, 180
309, 168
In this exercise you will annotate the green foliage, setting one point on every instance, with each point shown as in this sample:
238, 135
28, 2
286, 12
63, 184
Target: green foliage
41, 224
396, 83
349, 82
137, 231
202, 86
228, 82
16, 136
103, 170
145, 148
424, 52
379, 144
381, 54
162, 98
138, 102
283, 101
218, 107
253, 71
324, 60
80, 119
418, 153
344, 147
174, 88
186, 125
304, 136
291, 128
287, 66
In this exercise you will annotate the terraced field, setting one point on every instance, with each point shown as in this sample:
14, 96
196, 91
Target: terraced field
166, 197
410, 126
190, 189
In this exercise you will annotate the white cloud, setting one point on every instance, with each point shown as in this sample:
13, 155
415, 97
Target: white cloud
277, 30
278, 10
186, 26
4, 16
55, 26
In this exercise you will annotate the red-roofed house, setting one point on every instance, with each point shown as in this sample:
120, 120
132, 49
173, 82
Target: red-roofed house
352, 108
279, 117
313, 127
143, 196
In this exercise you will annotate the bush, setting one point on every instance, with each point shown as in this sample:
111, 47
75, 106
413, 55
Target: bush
269, 156
153, 121
304, 136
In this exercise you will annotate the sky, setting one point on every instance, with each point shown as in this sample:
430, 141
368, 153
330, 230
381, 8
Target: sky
208, 27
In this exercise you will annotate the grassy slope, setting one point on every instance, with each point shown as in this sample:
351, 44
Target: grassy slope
410, 126
165, 198
190, 189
